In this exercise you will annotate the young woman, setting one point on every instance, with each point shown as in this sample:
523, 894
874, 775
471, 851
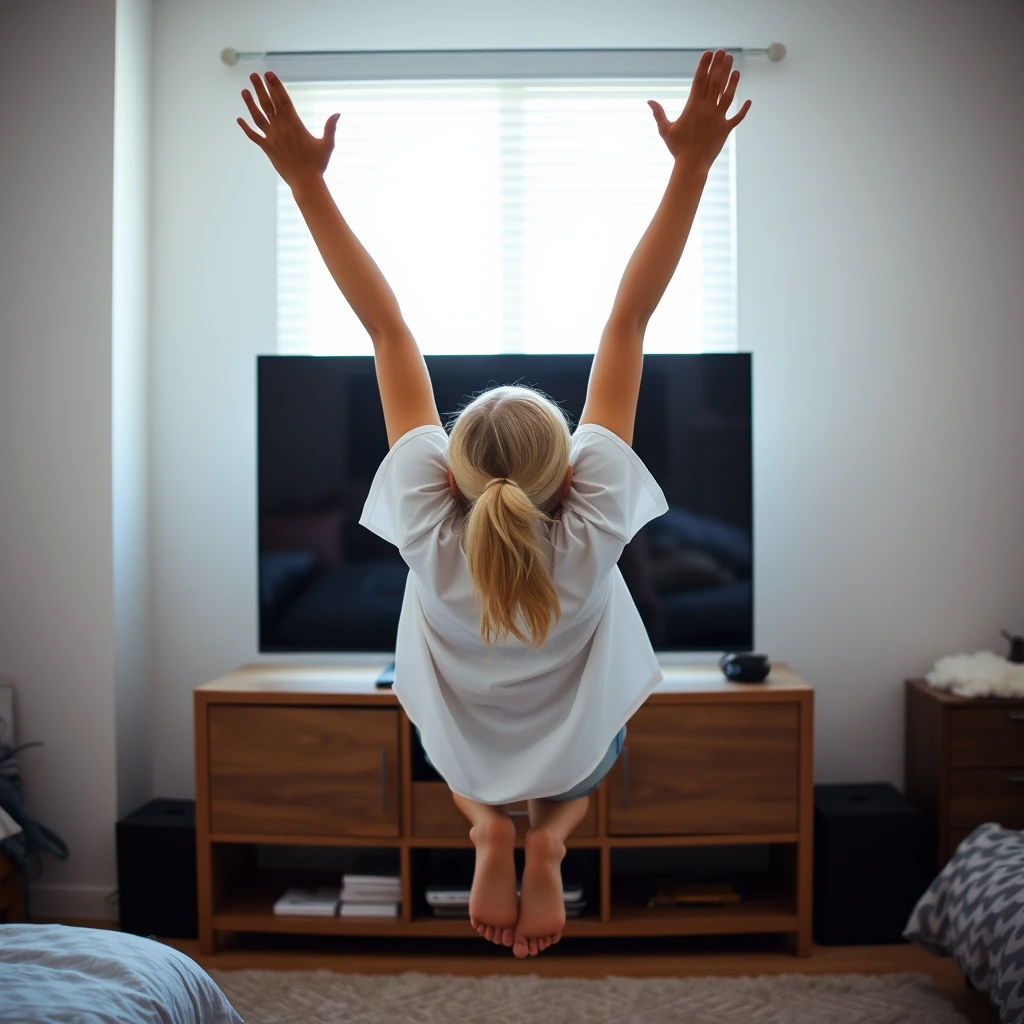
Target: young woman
520, 655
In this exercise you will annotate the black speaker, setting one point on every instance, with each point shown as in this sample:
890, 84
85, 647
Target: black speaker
156, 870
871, 863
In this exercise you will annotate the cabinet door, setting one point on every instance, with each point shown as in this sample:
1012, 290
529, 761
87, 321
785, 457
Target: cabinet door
313, 771
707, 769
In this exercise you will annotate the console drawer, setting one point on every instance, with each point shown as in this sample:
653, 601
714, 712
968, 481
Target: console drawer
697, 769
303, 771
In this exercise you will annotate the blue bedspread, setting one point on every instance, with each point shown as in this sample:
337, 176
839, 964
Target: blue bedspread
56, 974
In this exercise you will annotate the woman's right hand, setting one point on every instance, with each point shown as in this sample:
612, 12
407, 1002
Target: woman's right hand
296, 154
700, 131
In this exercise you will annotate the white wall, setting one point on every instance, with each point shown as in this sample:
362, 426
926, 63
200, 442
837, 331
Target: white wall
881, 234
56, 587
130, 409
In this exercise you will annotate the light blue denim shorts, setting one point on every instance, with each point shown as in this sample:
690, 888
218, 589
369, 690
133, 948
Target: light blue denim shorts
591, 782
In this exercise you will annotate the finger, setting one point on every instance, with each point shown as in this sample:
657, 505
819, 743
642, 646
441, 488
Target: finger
258, 117
264, 97
700, 76
714, 87
724, 75
279, 94
257, 138
733, 121
330, 130
729, 91
660, 116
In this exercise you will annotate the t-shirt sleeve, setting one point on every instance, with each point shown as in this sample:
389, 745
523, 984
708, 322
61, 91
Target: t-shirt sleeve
410, 493
611, 487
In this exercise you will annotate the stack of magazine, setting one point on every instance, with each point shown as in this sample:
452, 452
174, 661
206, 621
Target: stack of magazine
308, 901
373, 888
452, 901
370, 890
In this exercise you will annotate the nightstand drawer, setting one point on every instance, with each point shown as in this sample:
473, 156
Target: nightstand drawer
987, 737
977, 795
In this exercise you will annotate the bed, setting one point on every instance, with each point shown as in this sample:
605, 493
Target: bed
974, 913
57, 974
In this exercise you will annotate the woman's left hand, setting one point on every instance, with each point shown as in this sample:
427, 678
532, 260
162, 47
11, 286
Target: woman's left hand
295, 153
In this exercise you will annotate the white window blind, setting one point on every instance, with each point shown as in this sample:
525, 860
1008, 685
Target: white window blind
503, 213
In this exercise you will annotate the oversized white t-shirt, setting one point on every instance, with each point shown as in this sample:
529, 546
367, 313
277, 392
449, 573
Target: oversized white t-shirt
506, 723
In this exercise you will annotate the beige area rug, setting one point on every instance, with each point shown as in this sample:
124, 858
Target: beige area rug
323, 997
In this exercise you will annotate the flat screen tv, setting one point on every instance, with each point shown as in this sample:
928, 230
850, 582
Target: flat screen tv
327, 585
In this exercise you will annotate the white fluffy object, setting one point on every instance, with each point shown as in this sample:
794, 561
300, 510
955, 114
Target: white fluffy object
984, 674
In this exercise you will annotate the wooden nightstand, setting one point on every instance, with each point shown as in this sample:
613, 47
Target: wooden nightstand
964, 761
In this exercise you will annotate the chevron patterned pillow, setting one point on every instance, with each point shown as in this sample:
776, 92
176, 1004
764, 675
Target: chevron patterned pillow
974, 913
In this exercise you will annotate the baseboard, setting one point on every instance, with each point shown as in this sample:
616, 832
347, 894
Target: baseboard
60, 902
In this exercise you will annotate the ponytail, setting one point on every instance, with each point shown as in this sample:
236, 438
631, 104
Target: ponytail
508, 565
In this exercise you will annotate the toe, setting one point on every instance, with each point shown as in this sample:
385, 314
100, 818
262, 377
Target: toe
508, 937
521, 948
533, 947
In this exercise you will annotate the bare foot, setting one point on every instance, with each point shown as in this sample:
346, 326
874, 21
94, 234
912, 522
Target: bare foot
493, 903
541, 902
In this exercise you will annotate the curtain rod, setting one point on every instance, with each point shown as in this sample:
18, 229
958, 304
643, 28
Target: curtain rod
230, 56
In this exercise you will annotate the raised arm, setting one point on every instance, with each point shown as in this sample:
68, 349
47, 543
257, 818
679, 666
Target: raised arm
301, 159
695, 139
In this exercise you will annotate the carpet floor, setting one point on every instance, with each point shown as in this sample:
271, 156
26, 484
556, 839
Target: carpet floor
325, 997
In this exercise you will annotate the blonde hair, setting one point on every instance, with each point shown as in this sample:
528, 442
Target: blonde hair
509, 454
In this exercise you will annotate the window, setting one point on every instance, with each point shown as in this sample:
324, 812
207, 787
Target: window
502, 214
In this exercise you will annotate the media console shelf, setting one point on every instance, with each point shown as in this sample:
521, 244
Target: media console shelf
315, 757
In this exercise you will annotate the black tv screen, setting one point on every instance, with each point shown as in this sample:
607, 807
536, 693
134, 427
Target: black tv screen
326, 584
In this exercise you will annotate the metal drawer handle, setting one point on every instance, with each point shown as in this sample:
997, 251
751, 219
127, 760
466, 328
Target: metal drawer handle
1015, 779
1016, 716
625, 776
383, 779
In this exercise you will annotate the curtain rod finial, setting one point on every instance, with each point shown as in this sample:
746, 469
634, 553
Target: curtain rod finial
229, 55
775, 52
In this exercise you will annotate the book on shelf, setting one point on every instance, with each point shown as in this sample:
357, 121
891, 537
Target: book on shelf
693, 894
458, 895
350, 894
372, 870
308, 901
387, 910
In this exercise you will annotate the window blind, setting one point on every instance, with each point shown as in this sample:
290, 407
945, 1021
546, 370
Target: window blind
503, 213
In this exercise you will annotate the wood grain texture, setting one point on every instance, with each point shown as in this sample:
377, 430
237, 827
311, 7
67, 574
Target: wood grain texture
961, 755
304, 770
977, 795
313, 684
804, 859
987, 737
293, 757
706, 769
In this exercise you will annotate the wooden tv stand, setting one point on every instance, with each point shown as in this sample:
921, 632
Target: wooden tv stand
318, 757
